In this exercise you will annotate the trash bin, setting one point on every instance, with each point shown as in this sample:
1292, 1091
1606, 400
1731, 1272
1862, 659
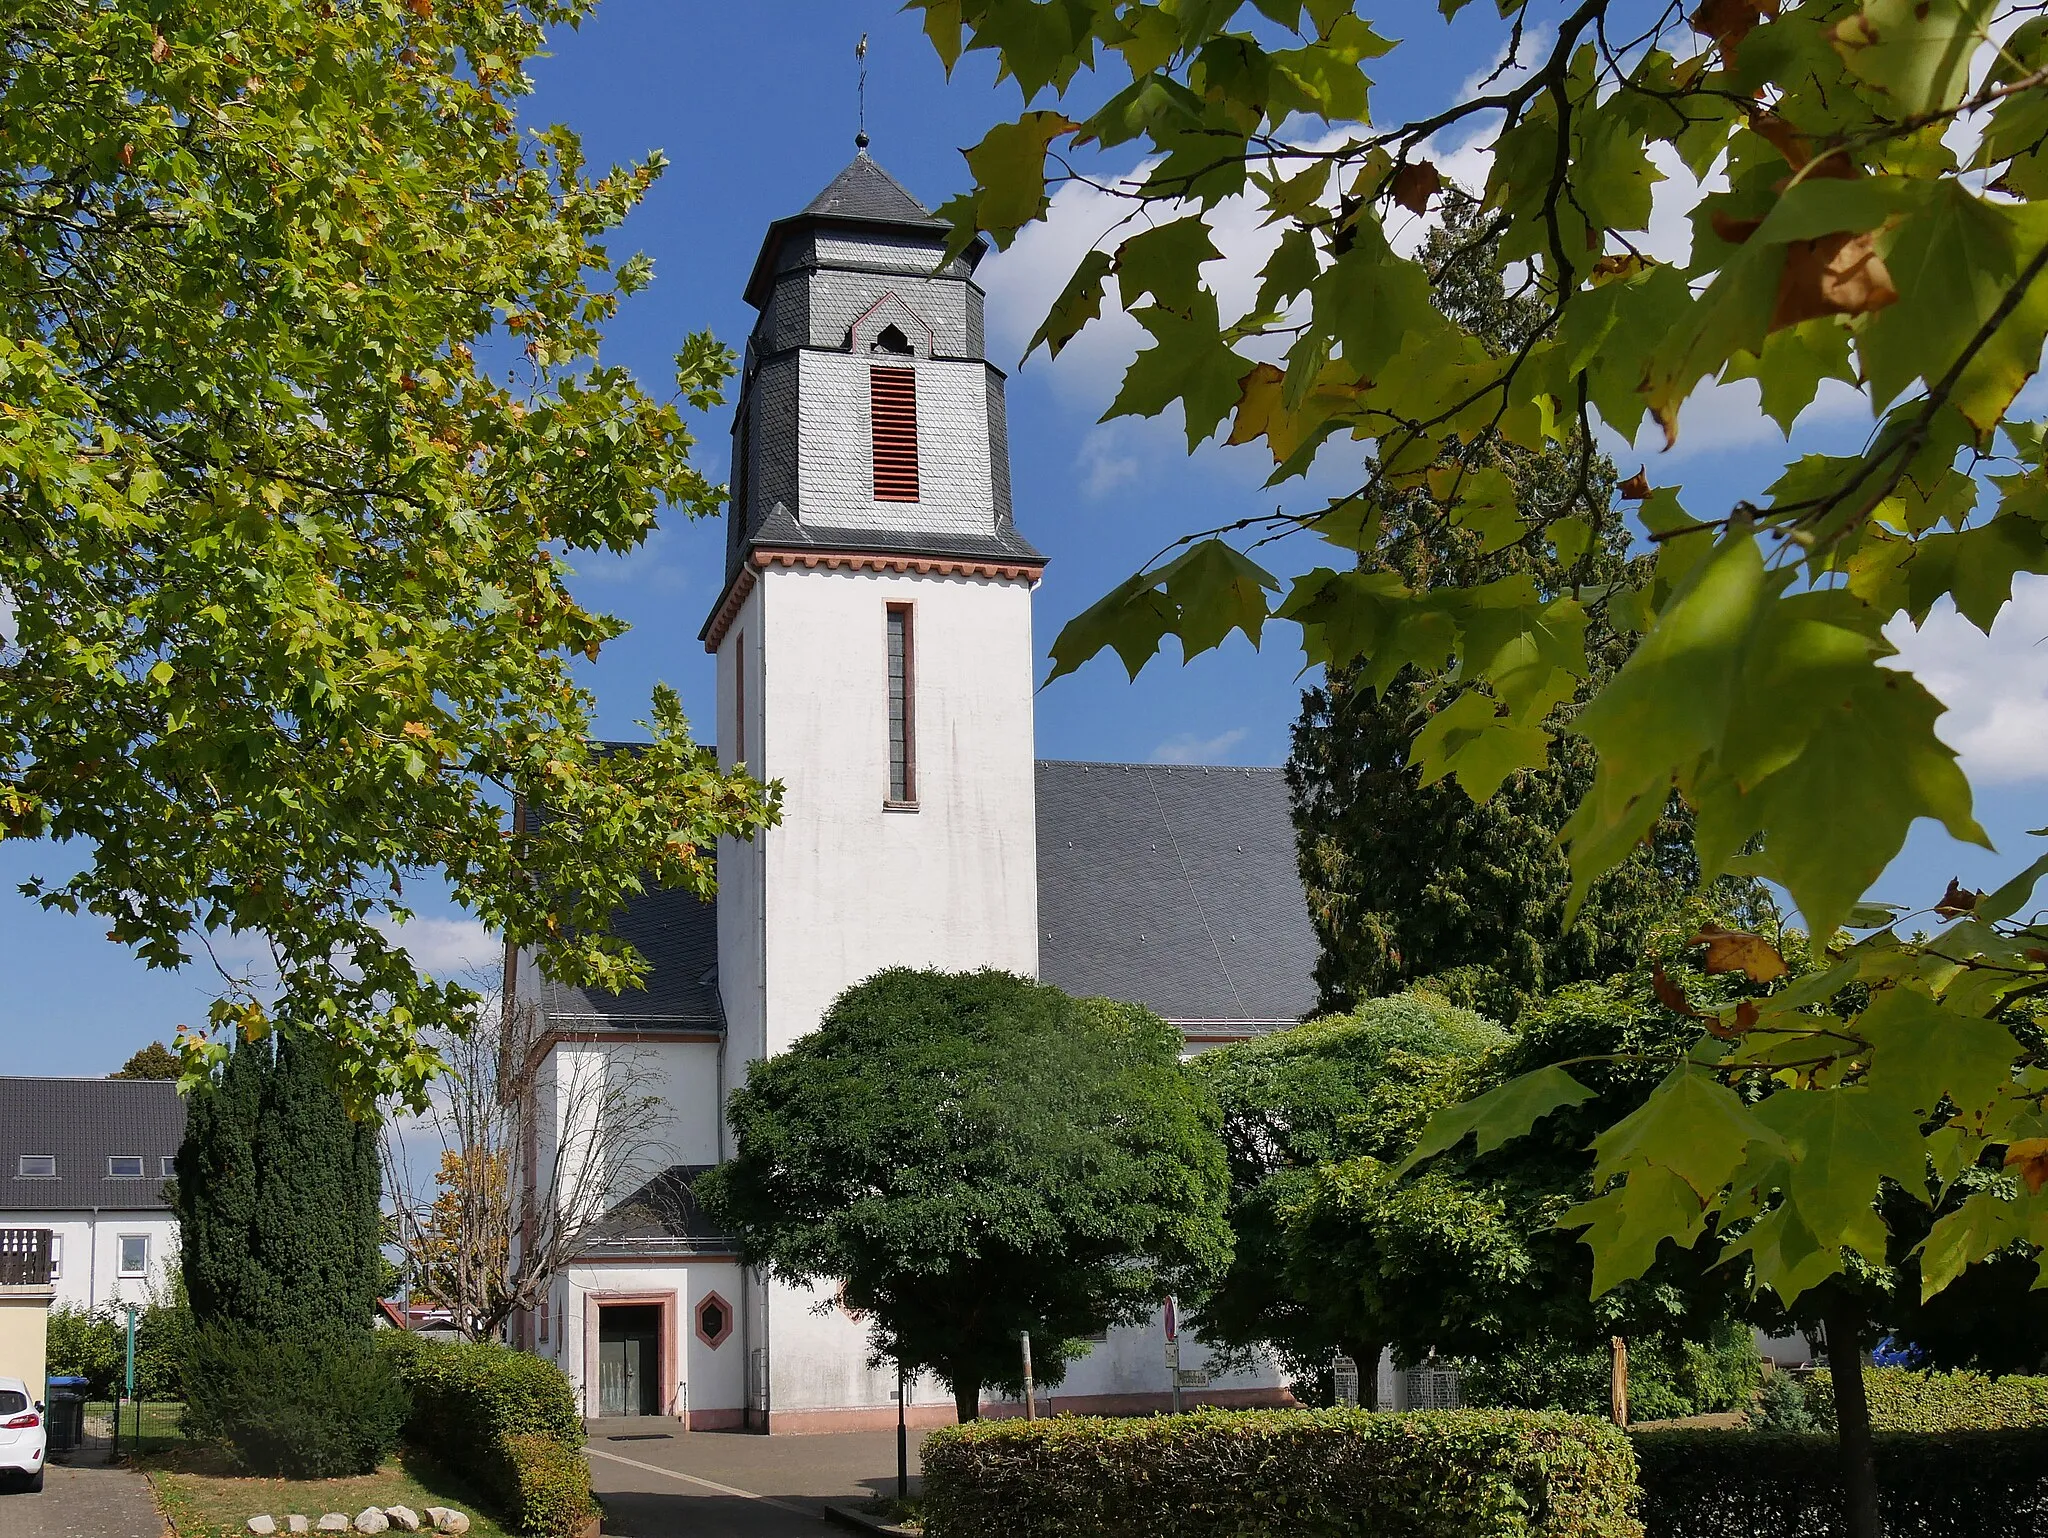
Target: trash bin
64, 1414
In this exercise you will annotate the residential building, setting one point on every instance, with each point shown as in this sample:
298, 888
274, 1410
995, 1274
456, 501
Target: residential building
87, 1159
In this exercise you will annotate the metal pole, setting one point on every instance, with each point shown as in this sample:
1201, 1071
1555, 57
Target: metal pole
1173, 1352
1030, 1390
128, 1380
902, 1436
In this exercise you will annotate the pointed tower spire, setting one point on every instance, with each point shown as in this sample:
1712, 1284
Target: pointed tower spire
860, 53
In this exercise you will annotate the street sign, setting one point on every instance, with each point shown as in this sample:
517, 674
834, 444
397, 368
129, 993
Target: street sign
1172, 1351
1193, 1377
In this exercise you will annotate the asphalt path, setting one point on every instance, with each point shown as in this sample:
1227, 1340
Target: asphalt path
660, 1482
90, 1501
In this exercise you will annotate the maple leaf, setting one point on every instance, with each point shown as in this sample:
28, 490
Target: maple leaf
1669, 994
1957, 900
1735, 950
1414, 185
1838, 274
1637, 487
2029, 1156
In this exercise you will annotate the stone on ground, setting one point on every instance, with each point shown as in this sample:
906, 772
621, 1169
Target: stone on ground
402, 1517
333, 1522
370, 1520
451, 1522
296, 1524
264, 1524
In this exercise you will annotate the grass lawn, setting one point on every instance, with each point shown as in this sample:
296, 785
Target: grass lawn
159, 1422
205, 1498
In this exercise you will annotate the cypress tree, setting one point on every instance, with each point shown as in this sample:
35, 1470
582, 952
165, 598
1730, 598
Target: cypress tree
277, 1200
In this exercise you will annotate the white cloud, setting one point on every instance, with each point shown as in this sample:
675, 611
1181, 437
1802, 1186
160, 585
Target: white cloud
446, 947
1108, 458
1187, 748
1995, 686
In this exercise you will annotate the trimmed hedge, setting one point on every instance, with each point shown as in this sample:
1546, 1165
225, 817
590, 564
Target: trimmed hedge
507, 1420
1904, 1400
1739, 1484
1308, 1473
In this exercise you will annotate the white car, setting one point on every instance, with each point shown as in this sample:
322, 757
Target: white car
24, 1439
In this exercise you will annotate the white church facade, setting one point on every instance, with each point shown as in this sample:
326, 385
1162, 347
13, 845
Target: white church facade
874, 653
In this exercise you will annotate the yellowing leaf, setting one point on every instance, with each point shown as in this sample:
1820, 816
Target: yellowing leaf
1734, 950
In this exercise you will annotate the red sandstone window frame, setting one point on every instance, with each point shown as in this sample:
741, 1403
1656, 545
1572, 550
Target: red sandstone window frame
900, 666
711, 1338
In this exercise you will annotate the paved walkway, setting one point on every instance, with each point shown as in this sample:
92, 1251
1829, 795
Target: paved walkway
93, 1501
660, 1482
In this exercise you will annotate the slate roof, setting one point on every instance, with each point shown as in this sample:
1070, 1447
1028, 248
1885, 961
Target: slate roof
661, 1212
783, 530
1172, 886
82, 1123
678, 934
866, 193
1175, 887
863, 196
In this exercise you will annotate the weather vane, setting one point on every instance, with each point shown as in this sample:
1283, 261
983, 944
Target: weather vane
860, 52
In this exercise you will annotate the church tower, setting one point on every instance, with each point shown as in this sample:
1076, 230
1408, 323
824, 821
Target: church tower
874, 631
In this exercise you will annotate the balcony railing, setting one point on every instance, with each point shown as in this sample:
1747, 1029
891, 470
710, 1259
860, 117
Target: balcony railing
24, 1257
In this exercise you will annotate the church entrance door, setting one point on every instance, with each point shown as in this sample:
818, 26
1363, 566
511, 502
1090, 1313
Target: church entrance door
629, 1359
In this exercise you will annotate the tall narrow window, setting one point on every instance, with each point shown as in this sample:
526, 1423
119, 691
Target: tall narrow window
892, 402
739, 698
902, 707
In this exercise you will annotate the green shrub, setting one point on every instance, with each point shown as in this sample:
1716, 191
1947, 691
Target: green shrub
1904, 1400
83, 1343
1308, 1473
1668, 1377
553, 1484
1742, 1484
291, 1409
505, 1419
91, 1343
1782, 1405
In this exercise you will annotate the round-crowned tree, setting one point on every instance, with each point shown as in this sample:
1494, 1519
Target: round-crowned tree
971, 1155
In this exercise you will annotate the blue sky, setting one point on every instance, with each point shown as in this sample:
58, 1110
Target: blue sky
754, 106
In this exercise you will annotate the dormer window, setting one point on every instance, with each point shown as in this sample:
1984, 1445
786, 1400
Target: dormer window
892, 402
892, 340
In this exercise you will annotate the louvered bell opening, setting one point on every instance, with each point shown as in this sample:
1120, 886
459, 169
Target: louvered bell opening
892, 398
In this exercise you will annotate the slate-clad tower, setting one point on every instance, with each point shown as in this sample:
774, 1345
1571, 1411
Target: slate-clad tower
874, 633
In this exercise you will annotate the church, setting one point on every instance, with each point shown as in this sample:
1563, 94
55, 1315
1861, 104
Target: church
874, 652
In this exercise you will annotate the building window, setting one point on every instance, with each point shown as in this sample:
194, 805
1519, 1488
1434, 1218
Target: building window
167, 1166
714, 1320
56, 1256
739, 698
124, 1167
134, 1255
892, 403
902, 707
37, 1167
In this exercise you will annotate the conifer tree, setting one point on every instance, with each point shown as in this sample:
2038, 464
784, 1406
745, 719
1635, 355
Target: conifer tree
277, 1201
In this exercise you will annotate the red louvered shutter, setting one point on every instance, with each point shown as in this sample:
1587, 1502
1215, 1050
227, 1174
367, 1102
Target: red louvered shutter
892, 400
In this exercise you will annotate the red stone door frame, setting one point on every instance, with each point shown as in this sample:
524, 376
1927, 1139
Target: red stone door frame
666, 1355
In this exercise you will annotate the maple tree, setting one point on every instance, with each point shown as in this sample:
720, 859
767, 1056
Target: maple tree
1880, 218
301, 414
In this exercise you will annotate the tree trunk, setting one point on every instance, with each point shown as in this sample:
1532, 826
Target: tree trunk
967, 1399
1844, 1327
1617, 1387
1367, 1355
